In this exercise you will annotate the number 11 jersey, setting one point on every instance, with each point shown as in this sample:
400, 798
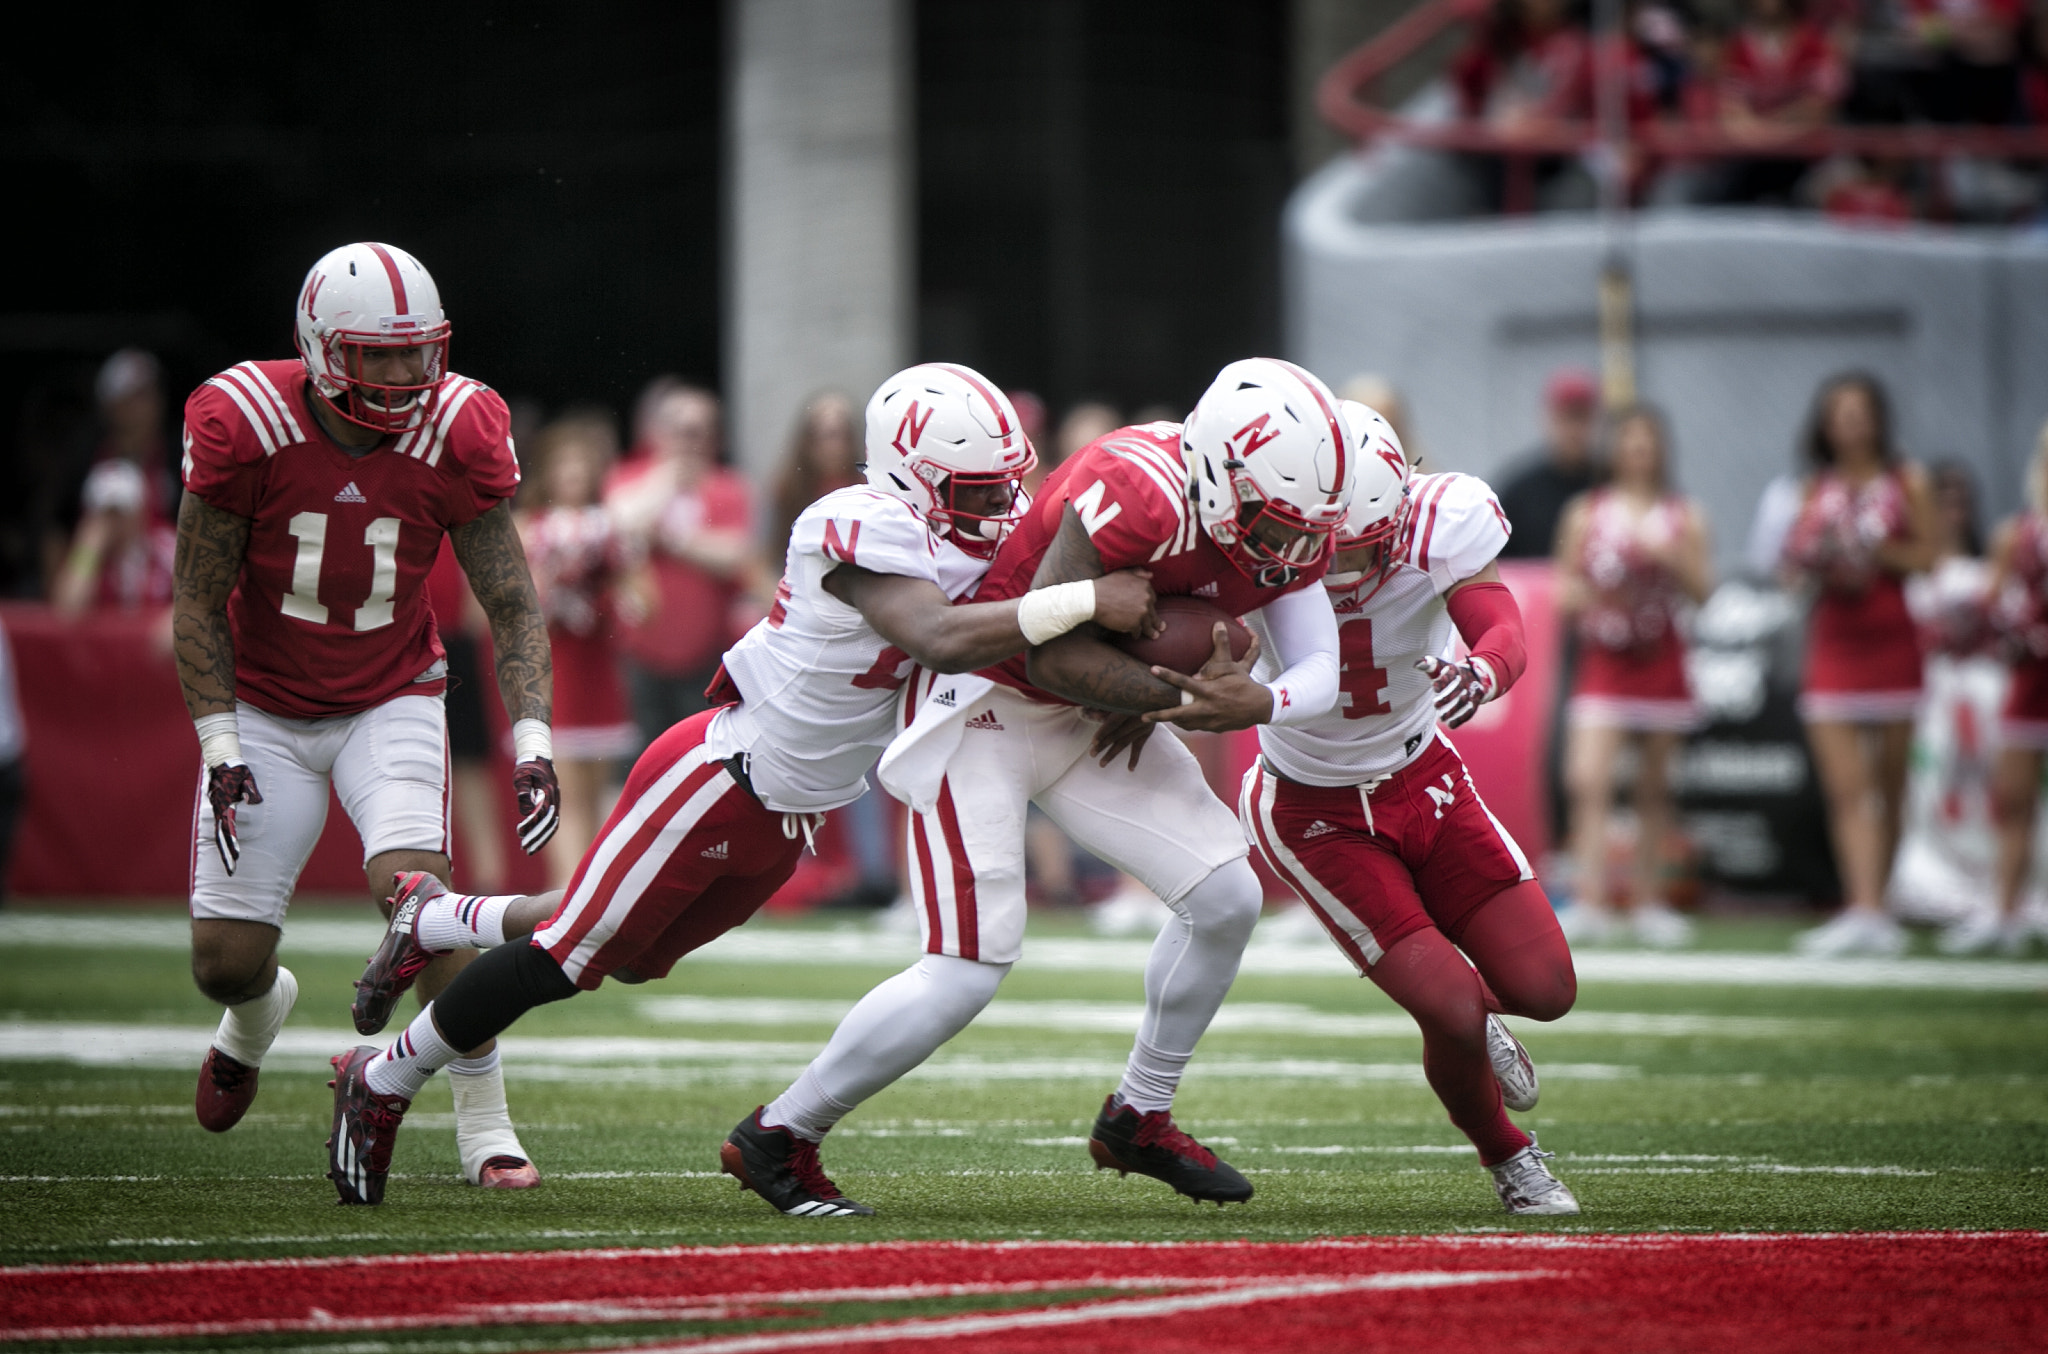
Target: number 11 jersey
330, 613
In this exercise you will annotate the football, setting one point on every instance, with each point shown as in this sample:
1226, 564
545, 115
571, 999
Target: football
1189, 639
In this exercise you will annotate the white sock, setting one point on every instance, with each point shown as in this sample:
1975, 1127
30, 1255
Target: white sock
416, 1054
483, 1121
463, 921
1187, 975
1151, 1077
805, 1109
890, 1031
247, 1031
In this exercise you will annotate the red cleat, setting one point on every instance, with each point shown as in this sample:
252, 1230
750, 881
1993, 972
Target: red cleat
400, 957
508, 1173
226, 1090
365, 1130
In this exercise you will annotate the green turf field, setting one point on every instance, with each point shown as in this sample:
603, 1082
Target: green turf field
1708, 1105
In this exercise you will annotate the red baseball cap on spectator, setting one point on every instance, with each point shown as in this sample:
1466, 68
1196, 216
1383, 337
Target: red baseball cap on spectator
1571, 388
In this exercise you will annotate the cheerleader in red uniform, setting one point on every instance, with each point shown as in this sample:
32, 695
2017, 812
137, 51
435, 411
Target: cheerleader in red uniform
1867, 521
575, 557
1630, 555
2018, 589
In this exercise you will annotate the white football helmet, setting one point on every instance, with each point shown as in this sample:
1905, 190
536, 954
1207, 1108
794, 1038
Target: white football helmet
936, 428
1379, 499
1269, 466
371, 296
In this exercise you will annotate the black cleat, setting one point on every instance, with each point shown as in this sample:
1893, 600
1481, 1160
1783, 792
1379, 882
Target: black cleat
1150, 1143
400, 957
365, 1128
783, 1169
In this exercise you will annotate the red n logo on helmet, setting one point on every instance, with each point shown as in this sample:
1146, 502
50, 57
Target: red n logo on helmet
913, 425
1255, 435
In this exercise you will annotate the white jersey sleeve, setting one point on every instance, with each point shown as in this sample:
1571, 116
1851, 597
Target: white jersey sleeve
869, 530
1385, 709
1458, 529
1299, 631
818, 685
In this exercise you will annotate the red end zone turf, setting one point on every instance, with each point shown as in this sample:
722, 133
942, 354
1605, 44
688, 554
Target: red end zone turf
1541, 1293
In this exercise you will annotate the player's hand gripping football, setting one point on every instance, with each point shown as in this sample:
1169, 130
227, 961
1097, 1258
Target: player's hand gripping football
1124, 602
1461, 688
228, 784
1222, 696
540, 802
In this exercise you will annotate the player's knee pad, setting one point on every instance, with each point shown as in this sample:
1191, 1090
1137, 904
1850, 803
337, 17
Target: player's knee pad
1225, 905
501, 986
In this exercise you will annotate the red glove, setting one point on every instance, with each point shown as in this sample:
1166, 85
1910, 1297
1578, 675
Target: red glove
540, 800
1461, 688
227, 785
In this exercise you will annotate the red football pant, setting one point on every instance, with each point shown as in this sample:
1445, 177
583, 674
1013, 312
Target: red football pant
687, 855
1402, 877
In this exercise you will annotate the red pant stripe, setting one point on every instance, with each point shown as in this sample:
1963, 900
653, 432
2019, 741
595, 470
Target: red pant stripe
964, 903
590, 906
935, 942
1259, 801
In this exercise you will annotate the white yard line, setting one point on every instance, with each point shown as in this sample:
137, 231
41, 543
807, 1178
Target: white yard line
1121, 1309
1076, 954
635, 1060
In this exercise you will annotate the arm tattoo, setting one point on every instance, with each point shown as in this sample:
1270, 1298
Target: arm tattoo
489, 552
1070, 557
1082, 665
211, 544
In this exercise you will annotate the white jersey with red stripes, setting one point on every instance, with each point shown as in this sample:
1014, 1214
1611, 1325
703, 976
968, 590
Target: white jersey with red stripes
817, 684
1385, 622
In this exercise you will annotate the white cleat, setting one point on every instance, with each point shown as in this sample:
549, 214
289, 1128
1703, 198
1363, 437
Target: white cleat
1856, 931
1659, 928
1584, 924
1985, 933
1131, 911
1527, 1189
1512, 1067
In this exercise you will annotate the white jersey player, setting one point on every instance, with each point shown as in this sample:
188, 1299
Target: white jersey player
1369, 814
718, 809
1237, 506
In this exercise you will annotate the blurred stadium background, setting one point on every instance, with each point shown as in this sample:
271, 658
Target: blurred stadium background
1096, 203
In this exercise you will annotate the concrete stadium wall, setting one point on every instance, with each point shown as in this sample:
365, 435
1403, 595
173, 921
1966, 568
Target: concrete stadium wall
1740, 314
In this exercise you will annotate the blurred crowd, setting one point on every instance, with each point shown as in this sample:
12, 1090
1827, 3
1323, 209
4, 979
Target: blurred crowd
1761, 72
652, 554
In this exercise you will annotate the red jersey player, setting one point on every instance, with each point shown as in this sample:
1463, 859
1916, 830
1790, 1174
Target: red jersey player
318, 490
1369, 814
717, 809
1236, 506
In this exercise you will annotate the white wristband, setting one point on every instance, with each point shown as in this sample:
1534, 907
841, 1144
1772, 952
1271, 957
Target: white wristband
1048, 613
1486, 675
220, 738
532, 738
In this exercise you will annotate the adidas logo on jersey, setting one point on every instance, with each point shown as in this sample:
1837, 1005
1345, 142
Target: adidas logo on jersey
1206, 590
946, 698
985, 720
1318, 828
350, 494
717, 852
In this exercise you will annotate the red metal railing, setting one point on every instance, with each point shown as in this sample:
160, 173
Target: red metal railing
1345, 99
